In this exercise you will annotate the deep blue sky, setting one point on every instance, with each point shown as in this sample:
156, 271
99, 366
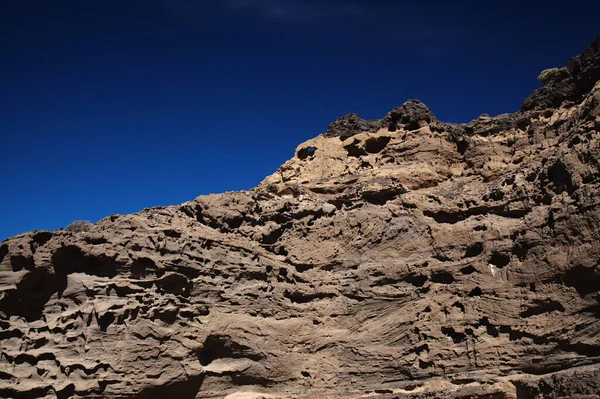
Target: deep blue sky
110, 106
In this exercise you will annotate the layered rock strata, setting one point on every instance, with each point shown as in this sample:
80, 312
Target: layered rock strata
398, 258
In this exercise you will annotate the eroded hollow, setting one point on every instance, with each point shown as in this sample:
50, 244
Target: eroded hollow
307, 152
223, 346
560, 176
499, 259
442, 277
39, 239
474, 250
20, 262
375, 145
461, 146
542, 306
418, 280
3, 252
584, 279
71, 259
141, 267
31, 295
354, 149
175, 283
457, 337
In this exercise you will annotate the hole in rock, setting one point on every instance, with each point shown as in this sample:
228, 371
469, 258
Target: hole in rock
175, 283
457, 337
418, 280
66, 392
234, 222
499, 259
560, 176
442, 277
247, 379
172, 233
141, 267
532, 287
497, 195
461, 146
302, 297
105, 320
96, 240
376, 144
20, 262
542, 306
306, 152
273, 236
39, 239
31, 295
420, 349
490, 329
3, 252
222, 346
71, 259
381, 197
182, 388
521, 248
354, 150
474, 250
585, 280
422, 365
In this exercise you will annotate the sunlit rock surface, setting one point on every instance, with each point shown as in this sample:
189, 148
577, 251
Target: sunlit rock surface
398, 258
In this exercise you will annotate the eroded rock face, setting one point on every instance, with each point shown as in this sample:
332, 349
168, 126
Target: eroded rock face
350, 125
572, 82
401, 258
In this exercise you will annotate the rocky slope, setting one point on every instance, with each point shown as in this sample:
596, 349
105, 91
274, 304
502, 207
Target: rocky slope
397, 258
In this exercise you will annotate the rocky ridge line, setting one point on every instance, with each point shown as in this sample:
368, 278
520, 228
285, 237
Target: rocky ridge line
399, 258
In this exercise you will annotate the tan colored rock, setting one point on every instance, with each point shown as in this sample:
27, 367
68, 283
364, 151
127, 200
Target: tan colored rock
401, 258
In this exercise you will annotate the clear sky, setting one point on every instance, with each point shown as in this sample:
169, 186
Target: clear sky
111, 106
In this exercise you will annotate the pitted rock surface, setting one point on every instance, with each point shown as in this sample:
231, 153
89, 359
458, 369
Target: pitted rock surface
350, 125
401, 258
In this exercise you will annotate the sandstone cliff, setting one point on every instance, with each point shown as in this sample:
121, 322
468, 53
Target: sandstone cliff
398, 258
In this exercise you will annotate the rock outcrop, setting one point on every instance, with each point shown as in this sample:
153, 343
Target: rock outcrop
400, 258
571, 83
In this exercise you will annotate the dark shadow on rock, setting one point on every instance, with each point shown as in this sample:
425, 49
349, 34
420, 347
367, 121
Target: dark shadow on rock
30, 296
187, 389
223, 346
71, 259
584, 279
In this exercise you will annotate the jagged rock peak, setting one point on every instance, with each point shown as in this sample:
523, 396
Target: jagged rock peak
411, 115
569, 83
349, 125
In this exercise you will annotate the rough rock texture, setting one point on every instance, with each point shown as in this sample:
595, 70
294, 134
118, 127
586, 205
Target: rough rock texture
350, 125
573, 82
415, 259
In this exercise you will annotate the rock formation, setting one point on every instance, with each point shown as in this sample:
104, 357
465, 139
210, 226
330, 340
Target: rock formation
399, 258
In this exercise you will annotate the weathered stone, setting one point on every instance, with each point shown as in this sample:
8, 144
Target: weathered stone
571, 83
404, 259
